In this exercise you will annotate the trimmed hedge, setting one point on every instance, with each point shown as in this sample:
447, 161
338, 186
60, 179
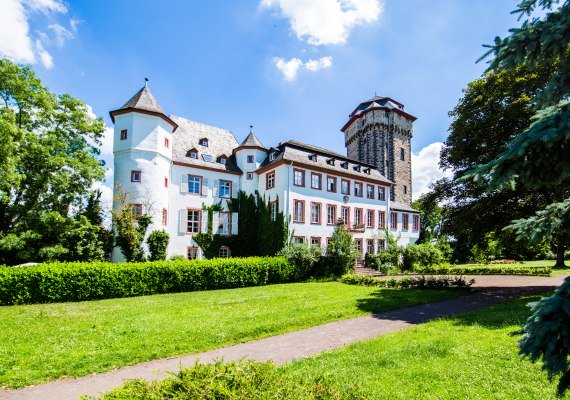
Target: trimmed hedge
495, 269
417, 282
77, 281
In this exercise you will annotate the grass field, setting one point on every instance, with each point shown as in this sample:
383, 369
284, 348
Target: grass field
537, 263
472, 356
47, 341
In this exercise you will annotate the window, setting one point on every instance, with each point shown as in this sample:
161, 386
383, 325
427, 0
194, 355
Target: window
344, 165
370, 246
192, 252
272, 157
270, 180
250, 159
313, 157
402, 154
123, 134
208, 158
194, 184
165, 182
316, 180
315, 213
394, 220
225, 223
315, 241
370, 219
136, 176
416, 222
166, 142
164, 217
203, 142
381, 219
358, 189
370, 191
225, 189
331, 214
192, 154
298, 177
344, 186
405, 189
298, 239
381, 193
136, 209
249, 176
358, 216
381, 244
298, 211
223, 160
331, 184
405, 220
193, 221
345, 215
224, 252
358, 243
273, 210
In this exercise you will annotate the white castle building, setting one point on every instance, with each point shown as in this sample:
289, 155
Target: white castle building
173, 167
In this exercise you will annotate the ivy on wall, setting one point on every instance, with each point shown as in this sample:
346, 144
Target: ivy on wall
258, 234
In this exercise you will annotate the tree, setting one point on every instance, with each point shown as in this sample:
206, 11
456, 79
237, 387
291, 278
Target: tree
129, 227
341, 251
430, 218
157, 243
48, 162
537, 158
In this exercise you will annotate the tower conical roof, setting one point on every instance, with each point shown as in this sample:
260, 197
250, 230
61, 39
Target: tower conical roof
251, 140
144, 100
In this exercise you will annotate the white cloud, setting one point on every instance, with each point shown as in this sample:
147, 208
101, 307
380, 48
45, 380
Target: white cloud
425, 169
291, 68
107, 141
324, 22
16, 41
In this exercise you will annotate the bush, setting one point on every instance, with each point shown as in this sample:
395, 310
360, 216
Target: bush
421, 282
233, 381
424, 255
341, 251
303, 256
57, 282
500, 269
157, 243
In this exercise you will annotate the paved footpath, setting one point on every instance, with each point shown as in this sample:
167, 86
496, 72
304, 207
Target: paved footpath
299, 344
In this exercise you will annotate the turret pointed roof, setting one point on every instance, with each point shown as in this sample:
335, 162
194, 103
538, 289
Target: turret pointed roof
251, 140
143, 101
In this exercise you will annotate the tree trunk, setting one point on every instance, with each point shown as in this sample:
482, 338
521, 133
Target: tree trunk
560, 249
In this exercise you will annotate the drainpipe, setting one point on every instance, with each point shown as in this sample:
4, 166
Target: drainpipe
288, 199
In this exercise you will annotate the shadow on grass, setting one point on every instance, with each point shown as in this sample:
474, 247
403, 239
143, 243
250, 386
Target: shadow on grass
494, 315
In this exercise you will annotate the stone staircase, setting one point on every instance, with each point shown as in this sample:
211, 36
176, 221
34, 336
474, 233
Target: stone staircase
360, 269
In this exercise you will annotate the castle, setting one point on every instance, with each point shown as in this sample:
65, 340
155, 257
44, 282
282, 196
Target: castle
172, 167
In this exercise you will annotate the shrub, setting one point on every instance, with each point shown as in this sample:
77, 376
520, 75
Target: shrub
157, 243
498, 269
57, 282
341, 251
303, 256
424, 255
233, 381
421, 282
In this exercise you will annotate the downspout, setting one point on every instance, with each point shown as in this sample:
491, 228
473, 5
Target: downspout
288, 200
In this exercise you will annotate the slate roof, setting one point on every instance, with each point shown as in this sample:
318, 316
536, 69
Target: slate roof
220, 142
402, 207
144, 100
299, 152
251, 140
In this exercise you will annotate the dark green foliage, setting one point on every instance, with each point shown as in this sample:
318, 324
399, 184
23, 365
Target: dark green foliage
492, 269
157, 243
48, 163
424, 254
341, 251
232, 381
59, 282
258, 234
430, 218
421, 282
304, 257
546, 335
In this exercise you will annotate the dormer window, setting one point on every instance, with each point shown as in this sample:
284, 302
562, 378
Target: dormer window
193, 153
344, 165
313, 157
357, 168
272, 157
203, 142
222, 159
367, 171
330, 161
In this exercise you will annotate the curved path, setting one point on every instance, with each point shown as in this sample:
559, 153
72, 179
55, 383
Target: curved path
304, 343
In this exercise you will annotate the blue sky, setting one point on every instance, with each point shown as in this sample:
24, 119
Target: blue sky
293, 69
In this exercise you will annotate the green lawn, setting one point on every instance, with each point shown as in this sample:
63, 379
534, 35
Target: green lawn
47, 341
537, 263
472, 356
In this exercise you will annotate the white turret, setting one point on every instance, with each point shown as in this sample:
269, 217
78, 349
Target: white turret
249, 156
142, 149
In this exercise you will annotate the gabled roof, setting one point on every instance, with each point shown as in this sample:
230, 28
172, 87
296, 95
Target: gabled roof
402, 207
143, 101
